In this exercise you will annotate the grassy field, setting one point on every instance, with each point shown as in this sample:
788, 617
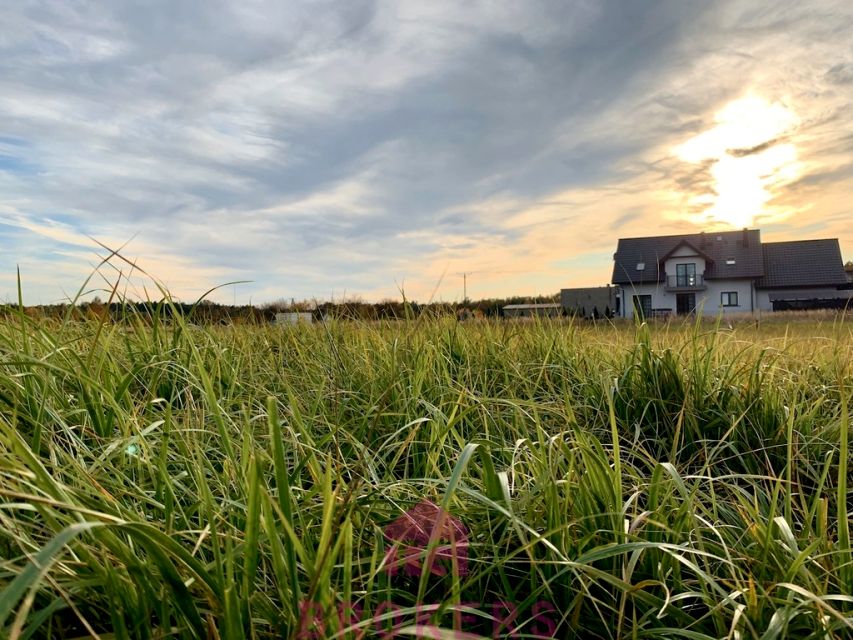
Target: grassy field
613, 481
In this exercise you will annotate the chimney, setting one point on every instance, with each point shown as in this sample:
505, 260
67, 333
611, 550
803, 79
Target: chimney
745, 237
702, 240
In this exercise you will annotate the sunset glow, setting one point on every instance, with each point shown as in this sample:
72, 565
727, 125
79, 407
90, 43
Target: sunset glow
749, 158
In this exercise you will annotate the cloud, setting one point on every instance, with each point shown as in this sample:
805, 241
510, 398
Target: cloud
327, 146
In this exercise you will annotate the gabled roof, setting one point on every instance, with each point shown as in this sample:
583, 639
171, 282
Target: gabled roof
742, 247
685, 243
802, 263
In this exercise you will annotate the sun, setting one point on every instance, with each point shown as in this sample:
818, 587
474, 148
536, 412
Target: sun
749, 158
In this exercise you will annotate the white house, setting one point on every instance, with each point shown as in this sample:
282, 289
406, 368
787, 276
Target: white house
726, 272
294, 317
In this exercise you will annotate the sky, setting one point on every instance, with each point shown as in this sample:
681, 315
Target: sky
373, 149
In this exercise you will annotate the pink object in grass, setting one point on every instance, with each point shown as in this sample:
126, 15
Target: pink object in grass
410, 535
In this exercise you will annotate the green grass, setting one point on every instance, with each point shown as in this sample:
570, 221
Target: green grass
166, 480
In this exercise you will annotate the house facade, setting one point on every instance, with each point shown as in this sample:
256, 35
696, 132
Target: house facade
726, 272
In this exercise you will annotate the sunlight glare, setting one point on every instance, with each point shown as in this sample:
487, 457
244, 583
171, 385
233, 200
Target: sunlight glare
748, 160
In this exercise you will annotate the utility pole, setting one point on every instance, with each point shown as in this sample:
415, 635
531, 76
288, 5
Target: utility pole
489, 272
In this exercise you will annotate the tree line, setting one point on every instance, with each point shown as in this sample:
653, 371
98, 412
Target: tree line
209, 312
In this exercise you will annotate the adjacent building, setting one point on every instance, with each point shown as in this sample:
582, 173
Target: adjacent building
726, 272
539, 309
590, 302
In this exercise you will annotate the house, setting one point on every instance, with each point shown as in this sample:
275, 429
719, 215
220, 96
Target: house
726, 272
294, 317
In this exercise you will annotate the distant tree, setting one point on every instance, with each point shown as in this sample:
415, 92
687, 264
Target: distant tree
288, 304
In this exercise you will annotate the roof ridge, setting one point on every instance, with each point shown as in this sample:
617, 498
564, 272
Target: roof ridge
683, 235
802, 240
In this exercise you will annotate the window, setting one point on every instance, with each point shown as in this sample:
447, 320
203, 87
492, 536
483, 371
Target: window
641, 266
643, 306
685, 275
728, 298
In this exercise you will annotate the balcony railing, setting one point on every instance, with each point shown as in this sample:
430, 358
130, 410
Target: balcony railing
690, 282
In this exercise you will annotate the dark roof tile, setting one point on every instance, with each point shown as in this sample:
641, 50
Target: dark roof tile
744, 247
802, 263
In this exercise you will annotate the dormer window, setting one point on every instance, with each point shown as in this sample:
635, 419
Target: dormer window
641, 266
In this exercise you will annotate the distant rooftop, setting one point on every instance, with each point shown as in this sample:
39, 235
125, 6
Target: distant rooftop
536, 305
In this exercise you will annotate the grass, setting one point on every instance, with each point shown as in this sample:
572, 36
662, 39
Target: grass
159, 479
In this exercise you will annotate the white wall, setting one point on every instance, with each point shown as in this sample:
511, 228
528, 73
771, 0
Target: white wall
655, 290
684, 255
713, 297
708, 300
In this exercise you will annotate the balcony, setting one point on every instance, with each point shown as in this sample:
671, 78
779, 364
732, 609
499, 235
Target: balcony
688, 282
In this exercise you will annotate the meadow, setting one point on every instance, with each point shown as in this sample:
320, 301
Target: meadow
686, 480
